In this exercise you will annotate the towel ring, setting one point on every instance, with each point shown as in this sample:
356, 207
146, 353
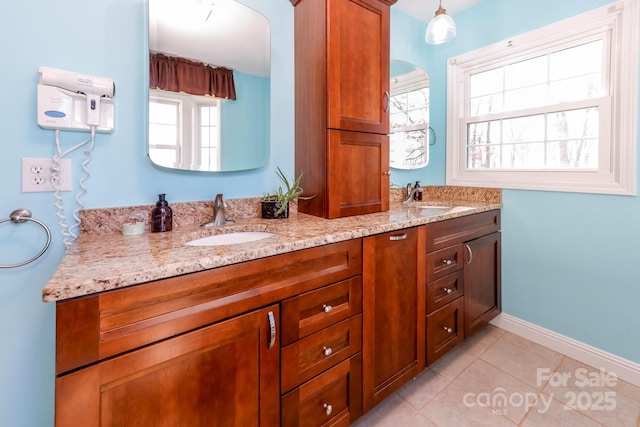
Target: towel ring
24, 215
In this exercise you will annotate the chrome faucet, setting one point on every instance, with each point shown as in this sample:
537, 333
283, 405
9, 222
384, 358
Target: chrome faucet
411, 191
218, 214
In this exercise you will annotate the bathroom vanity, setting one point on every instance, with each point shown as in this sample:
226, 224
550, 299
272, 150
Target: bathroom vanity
313, 326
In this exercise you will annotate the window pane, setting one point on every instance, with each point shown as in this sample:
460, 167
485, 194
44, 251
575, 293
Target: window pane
523, 129
575, 61
531, 72
575, 154
483, 157
487, 82
523, 156
484, 132
485, 104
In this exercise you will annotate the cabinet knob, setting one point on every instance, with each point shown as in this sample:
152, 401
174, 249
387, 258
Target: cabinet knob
448, 329
447, 262
328, 409
447, 290
327, 351
327, 308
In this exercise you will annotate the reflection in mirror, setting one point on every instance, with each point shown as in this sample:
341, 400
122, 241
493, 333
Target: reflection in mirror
409, 116
192, 128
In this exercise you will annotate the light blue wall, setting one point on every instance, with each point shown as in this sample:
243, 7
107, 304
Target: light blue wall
569, 255
245, 123
569, 261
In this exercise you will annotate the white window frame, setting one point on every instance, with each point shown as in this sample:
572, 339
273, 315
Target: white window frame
616, 173
189, 124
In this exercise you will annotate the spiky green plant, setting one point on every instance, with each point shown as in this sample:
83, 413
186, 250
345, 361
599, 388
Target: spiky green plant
290, 194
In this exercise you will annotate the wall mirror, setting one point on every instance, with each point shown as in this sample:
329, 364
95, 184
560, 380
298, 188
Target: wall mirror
190, 131
408, 116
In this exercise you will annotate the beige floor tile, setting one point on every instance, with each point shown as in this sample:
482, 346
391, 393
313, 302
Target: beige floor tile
392, 412
423, 388
487, 385
452, 363
556, 415
520, 363
482, 340
531, 346
419, 420
449, 409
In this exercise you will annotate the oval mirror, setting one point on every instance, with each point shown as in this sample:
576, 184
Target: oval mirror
209, 85
408, 116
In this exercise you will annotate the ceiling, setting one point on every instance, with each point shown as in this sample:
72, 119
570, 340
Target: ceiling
424, 10
190, 29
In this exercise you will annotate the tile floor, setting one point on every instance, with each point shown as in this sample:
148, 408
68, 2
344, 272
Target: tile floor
497, 378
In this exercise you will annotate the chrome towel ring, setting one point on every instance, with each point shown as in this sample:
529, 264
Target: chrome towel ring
24, 215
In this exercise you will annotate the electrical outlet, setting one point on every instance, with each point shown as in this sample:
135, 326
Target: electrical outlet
38, 176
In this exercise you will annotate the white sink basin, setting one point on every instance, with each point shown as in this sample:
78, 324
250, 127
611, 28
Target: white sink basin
230, 238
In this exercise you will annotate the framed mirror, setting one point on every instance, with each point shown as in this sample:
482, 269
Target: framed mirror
408, 116
195, 123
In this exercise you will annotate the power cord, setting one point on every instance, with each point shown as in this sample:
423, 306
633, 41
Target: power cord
70, 233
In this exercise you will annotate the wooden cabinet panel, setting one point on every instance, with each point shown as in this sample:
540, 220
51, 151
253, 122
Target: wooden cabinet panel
444, 329
358, 178
310, 356
394, 300
482, 294
110, 323
358, 65
443, 291
220, 375
333, 398
315, 310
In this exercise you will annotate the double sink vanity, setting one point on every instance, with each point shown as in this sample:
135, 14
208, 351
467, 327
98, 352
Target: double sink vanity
314, 324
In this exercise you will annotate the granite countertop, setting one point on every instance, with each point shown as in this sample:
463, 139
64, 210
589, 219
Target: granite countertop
97, 263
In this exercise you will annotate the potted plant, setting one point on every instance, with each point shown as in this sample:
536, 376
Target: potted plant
276, 205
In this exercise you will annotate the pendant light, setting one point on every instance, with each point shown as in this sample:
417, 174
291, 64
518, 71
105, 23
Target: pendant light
441, 28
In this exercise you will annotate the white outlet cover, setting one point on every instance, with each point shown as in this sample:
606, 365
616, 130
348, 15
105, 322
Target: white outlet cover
32, 179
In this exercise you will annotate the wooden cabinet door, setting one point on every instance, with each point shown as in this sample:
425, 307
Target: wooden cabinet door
394, 300
482, 301
358, 179
358, 65
225, 374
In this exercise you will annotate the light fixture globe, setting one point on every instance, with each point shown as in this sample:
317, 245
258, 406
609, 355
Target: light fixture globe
441, 28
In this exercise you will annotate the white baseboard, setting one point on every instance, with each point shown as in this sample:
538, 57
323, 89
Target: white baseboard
624, 369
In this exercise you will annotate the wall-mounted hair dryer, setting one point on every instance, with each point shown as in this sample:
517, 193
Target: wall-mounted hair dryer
73, 101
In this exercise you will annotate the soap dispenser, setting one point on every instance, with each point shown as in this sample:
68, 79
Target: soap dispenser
161, 216
418, 194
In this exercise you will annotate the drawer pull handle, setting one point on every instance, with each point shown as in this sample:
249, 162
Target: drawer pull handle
272, 329
447, 290
328, 409
327, 351
447, 262
398, 237
327, 308
448, 329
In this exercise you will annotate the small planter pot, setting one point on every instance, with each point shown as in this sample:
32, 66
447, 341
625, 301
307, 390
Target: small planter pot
270, 207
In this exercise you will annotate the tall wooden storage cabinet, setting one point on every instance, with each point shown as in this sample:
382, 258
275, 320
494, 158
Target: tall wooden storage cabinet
342, 97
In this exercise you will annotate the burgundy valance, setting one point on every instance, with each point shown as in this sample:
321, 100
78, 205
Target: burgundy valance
183, 75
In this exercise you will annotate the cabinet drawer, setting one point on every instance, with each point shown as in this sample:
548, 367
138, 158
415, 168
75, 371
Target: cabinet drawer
442, 291
315, 310
310, 356
445, 329
333, 398
458, 230
445, 261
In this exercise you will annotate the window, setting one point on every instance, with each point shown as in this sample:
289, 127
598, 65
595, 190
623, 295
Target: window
553, 109
184, 130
